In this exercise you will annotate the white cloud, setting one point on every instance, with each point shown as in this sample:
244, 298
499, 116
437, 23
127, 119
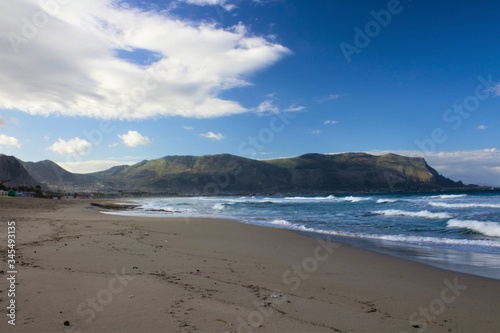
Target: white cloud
3, 121
330, 122
11, 141
267, 106
213, 136
73, 146
134, 139
471, 166
188, 128
69, 65
482, 127
315, 132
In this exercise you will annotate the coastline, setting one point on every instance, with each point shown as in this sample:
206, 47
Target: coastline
106, 273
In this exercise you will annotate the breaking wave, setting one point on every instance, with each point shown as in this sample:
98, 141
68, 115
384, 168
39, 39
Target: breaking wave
381, 201
282, 223
449, 196
463, 205
417, 240
422, 214
329, 198
485, 228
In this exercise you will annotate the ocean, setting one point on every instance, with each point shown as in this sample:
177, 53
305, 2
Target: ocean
458, 232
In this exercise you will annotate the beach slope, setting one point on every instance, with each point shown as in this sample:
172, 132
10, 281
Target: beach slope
79, 270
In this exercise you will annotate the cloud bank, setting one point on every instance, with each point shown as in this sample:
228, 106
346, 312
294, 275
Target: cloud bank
68, 59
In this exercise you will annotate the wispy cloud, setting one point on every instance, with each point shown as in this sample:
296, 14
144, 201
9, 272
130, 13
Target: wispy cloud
134, 139
188, 128
73, 146
268, 106
330, 122
213, 136
496, 89
70, 66
330, 97
482, 127
9, 141
3, 121
222, 3
295, 108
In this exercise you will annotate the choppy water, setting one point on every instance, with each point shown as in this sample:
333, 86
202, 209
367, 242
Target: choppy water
455, 231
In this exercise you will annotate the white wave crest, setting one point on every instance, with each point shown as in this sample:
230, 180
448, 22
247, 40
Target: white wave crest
283, 223
449, 196
381, 201
485, 228
423, 214
328, 198
219, 206
354, 199
463, 205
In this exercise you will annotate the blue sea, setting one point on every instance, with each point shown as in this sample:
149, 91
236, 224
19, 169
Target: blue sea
459, 232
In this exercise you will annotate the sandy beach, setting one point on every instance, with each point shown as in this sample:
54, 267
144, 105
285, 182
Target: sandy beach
79, 270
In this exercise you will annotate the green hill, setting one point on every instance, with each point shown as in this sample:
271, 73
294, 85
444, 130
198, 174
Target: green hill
310, 173
229, 174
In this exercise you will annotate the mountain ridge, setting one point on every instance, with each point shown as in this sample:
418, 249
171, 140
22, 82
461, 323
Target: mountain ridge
230, 174
308, 173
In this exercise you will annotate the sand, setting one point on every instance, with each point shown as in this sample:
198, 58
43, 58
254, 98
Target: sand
103, 273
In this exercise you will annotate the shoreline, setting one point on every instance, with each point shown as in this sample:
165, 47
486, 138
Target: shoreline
443, 255
208, 275
408, 253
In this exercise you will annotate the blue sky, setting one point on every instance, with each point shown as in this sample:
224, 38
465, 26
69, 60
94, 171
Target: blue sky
99, 83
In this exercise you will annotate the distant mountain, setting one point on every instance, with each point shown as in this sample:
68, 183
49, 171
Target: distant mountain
229, 174
211, 174
52, 175
47, 174
363, 172
310, 173
11, 169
